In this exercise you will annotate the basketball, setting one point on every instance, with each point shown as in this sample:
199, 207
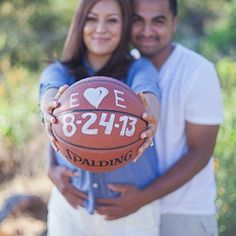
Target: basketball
99, 122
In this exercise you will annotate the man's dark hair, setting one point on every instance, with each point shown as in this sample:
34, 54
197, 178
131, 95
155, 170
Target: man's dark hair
174, 7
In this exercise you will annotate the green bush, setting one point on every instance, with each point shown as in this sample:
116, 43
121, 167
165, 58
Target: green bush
19, 110
226, 150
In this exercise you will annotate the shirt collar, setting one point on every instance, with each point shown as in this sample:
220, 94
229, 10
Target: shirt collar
88, 67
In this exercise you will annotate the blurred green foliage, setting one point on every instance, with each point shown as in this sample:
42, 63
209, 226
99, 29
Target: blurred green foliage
32, 31
18, 105
226, 151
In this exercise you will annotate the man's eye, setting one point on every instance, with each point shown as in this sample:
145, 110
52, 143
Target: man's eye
159, 21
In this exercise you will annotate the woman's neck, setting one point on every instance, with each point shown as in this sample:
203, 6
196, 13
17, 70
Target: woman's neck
97, 62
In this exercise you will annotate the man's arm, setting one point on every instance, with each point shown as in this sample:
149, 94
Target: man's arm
201, 142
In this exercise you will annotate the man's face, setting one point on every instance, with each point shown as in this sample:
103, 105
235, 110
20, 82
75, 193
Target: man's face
153, 26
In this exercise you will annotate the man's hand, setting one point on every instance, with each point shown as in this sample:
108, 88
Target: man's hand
129, 201
60, 176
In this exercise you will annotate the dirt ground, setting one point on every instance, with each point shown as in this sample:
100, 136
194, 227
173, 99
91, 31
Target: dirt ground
24, 221
24, 189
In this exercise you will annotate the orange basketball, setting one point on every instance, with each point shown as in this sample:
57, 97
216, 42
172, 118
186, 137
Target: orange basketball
99, 124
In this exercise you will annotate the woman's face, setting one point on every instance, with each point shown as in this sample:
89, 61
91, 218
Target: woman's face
103, 27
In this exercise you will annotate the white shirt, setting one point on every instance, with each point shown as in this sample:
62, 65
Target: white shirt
190, 92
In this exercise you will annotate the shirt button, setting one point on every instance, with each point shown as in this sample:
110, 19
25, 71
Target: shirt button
95, 185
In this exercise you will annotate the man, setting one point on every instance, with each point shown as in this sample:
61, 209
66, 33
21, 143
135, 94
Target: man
191, 111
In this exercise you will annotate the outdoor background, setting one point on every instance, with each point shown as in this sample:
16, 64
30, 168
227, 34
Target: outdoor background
33, 31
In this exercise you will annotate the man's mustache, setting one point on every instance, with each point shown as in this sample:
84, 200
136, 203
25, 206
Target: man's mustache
148, 37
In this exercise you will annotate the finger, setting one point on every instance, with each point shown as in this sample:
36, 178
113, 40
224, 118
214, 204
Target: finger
75, 202
149, 133
49, 132
148, 142
108, 218
143, 99
106, 201
78, 195
138, 156
149, 118
79, 203
108, 211
51, 137
69, 173
152, 126
54, 146
114, 214
118, 187
54, 143
48, 117
51, 105
74, 195
72, 203
60, 91
116, 217
151, 143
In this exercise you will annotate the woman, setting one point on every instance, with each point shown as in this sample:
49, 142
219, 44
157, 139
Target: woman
97, 44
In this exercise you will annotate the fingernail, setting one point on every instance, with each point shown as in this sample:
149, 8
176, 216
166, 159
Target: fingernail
152, 143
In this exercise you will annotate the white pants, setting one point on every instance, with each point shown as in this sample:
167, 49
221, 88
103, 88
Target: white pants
188, 225
64, 220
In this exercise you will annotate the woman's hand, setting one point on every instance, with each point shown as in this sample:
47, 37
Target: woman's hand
48, 116
148, 134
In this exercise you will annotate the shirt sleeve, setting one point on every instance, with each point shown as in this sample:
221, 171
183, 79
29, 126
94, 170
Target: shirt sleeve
142, 77
203, 100
54, 76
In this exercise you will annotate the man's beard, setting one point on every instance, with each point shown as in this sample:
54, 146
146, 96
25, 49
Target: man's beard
153, 52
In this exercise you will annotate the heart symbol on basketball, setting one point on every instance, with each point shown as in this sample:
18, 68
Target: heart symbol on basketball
95, 95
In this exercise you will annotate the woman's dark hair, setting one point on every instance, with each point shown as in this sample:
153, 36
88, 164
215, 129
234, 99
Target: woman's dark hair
74, 48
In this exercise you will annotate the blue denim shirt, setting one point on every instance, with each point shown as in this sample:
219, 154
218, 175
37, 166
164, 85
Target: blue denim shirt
141, 78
